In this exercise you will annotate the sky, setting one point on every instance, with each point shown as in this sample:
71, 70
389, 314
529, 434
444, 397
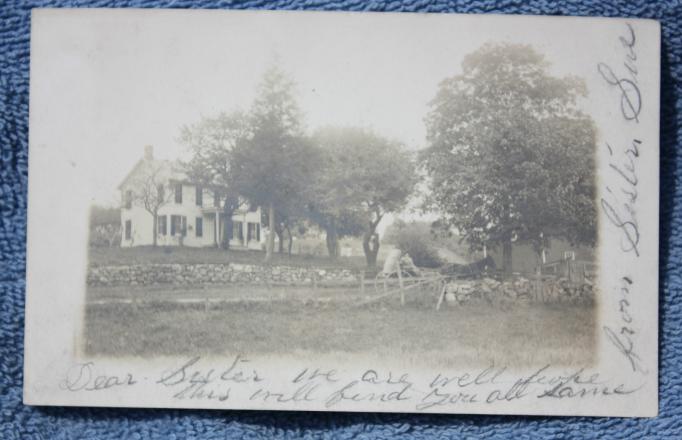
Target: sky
110, 83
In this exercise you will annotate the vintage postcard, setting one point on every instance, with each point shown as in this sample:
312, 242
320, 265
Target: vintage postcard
324, 211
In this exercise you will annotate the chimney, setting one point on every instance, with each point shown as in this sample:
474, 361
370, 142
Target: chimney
148, 152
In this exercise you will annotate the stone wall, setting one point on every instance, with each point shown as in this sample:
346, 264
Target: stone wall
518, 289
188, 274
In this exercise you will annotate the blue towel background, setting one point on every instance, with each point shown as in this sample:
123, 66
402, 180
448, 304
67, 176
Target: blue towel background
18, 421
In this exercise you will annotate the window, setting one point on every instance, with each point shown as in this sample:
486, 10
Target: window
162, 225
178, 225
178, 193
161, 193
129, 199
129, 229
216, 199
257, 232
199, 196
199, 227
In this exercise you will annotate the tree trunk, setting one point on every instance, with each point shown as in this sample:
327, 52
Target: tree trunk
370, 245
332, 240
507, 256
506, 240
112, 237
154, 229
271, 233
280, 240
291, 241
227, 225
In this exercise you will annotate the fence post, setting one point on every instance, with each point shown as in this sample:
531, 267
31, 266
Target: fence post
584, 272
570, 271
400, 281
538, 283
441, 296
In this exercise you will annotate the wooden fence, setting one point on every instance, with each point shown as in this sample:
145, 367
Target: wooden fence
576, 271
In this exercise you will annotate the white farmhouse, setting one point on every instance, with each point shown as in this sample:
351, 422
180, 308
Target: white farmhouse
187, 214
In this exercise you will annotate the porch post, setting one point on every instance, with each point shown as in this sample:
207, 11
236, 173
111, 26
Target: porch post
215, 228
245, 234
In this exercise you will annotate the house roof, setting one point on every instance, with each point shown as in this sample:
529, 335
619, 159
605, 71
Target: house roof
172, 170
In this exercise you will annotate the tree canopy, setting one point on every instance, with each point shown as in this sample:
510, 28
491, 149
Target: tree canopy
212, 142
510, 156
364, 176
272, 167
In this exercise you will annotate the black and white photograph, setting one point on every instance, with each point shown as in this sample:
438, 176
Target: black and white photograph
388, 210
271, 236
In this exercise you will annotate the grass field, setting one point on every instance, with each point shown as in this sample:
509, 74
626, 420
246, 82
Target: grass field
330, 323
114, 256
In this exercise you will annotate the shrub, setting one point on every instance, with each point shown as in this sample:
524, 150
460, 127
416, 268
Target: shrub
105, 235
416, 239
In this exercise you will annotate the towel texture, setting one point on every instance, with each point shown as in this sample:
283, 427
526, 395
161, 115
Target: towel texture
18, 421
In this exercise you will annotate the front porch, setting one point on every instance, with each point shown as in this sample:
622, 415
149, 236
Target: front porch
245, 234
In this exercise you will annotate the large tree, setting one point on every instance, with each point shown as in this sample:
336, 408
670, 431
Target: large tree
363, 177
510, 155
274, 165
211, 143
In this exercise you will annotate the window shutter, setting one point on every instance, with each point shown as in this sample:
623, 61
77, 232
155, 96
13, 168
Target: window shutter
178, 193
199, 196
199, 227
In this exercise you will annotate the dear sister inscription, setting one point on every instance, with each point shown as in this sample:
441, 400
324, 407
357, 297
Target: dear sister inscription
241, 381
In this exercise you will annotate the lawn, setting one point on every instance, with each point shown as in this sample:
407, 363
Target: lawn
330, 322
115, 256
